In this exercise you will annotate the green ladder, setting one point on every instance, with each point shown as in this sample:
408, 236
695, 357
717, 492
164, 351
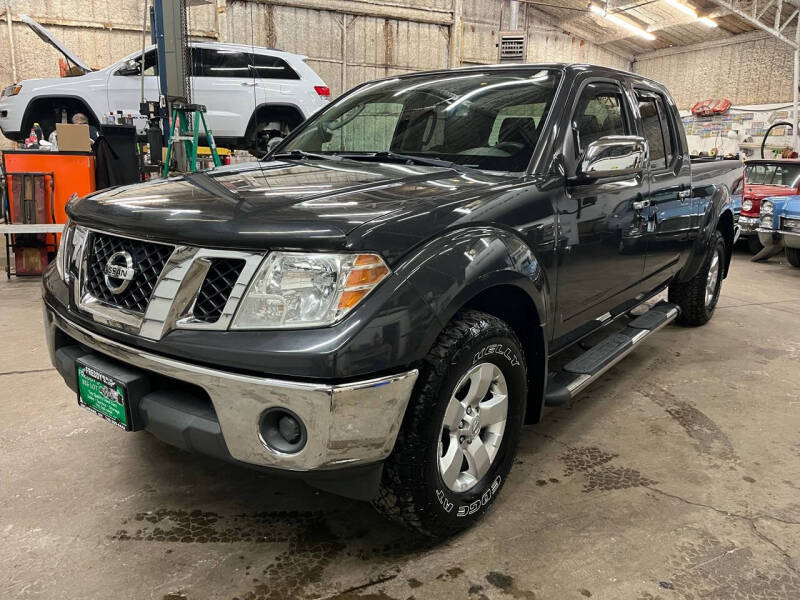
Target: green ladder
179, 132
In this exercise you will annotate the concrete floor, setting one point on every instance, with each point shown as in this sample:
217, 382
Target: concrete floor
677, 476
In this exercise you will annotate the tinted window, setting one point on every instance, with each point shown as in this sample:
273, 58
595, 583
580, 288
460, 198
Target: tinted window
222, 63
668, 129
599, 114
648, 109
272, 67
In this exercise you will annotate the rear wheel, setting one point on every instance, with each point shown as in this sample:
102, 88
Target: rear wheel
461, 429
698, 297
793, 256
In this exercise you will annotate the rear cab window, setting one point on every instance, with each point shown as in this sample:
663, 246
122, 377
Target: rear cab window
659, 129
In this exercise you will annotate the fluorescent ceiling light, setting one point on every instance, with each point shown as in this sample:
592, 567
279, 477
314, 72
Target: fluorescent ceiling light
683, 7
621, 23
691, 12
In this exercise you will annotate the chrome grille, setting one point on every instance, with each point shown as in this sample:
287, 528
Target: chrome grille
217, 288
149, 259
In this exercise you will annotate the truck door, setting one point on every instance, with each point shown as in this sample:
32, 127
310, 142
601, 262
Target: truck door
669, 216
599, 221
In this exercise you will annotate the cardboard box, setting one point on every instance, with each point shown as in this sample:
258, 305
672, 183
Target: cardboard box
73, 138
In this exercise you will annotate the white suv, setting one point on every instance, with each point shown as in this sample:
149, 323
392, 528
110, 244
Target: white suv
246, 90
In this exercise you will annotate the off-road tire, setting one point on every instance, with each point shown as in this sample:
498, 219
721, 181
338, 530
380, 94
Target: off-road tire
793, 256
754, 245
412, 491
690, 295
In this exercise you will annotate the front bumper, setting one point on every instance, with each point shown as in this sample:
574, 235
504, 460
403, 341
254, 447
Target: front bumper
347, 424
748, 225
772, 237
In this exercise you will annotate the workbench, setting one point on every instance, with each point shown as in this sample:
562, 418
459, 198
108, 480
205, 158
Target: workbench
9, 230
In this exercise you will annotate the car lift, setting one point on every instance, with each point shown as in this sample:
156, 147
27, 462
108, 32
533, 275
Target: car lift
170, 32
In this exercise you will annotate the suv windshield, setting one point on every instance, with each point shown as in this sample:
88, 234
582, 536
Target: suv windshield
779, 174
482, 120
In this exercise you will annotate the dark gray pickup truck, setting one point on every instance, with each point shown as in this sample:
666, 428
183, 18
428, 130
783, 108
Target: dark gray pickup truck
373, 307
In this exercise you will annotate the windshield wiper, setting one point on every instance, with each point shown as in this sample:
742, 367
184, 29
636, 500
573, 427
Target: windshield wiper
412, 158
304, 154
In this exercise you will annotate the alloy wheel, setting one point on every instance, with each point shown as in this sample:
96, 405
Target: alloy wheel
473, 426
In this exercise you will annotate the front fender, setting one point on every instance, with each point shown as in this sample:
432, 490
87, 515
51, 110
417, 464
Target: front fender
454, 268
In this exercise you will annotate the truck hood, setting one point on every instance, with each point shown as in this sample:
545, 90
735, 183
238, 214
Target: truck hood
49, 38
311, 204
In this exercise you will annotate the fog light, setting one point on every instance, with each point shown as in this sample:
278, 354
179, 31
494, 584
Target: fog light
282, 431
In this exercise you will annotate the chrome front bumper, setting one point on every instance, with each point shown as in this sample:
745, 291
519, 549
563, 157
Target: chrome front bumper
779, 237
348, 424
748, 225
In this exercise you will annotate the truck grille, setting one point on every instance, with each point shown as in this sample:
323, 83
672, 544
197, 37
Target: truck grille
148, 261
217, 288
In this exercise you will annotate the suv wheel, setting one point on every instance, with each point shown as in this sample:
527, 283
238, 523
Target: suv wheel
793, 256
461, 429
698, 297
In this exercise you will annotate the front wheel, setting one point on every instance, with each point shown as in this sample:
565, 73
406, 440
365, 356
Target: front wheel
698, 297
793, 256
461, 429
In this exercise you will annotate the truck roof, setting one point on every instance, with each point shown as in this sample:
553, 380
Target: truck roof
533, 67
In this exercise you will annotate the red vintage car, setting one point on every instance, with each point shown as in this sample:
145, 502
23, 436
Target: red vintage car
764, 178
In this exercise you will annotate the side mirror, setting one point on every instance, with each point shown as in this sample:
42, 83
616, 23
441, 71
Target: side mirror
131, 68
613, 156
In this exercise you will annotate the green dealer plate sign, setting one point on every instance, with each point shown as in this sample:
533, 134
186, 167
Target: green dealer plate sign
104, 396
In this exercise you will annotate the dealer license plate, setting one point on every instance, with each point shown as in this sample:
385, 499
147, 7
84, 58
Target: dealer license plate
104, 396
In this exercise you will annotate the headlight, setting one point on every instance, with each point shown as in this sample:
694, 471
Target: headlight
295, 290
61, 254
747, 205
70, 249
766, 221
767, 207
12, 90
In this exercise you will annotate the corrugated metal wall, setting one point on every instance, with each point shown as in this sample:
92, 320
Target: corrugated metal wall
101, 31
757, 69
376, 47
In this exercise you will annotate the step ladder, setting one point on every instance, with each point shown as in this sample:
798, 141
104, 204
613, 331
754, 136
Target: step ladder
592, 364
180, 132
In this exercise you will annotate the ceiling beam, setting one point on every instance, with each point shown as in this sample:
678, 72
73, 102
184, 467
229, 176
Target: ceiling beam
749, 12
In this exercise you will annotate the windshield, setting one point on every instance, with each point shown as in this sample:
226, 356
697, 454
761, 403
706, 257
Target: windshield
482, 120
780, 174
